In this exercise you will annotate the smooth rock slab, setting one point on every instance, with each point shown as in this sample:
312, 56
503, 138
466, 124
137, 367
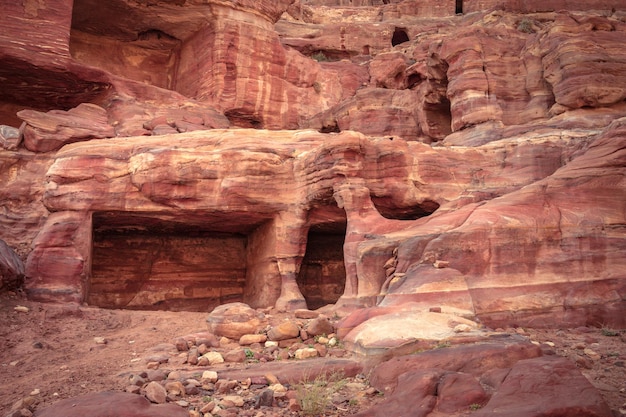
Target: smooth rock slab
403, 331
110, 404
545, 386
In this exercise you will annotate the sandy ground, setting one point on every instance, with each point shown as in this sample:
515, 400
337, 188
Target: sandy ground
52, 348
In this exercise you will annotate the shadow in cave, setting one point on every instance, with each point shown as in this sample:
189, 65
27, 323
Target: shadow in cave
322, 276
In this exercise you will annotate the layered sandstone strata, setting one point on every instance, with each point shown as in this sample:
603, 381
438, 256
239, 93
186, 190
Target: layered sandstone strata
133, 192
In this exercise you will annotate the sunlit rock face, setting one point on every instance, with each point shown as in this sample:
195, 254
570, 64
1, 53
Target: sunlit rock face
186, 154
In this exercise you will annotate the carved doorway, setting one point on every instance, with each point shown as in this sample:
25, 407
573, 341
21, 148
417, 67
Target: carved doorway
322, 276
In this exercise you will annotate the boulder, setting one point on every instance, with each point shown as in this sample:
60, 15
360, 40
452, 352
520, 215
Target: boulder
235, 320
319, 326
10, 137
283, 331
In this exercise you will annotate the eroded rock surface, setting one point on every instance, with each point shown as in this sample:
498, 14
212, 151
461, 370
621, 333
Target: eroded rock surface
421, 159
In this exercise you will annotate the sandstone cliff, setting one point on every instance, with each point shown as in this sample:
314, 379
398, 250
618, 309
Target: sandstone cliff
187, 154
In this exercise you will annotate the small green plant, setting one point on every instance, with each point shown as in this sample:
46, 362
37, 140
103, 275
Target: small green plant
315, 396
207, 399
353, 402
609, 332
320, 57
249, 353
475, 407
525, 25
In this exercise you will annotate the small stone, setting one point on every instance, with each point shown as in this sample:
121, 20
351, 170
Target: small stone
100, 340
156, 375
232, 401
136, 380
224, 386
209, 376
248, 339
462, 328
305, 314
182, 403
192, 356
194, 413
279, 390
323, 340
441, 264
306, 353
192, 390
214, 357
21, 309
203, 361
156, 393
271, 343
193, 382
271, 379
181, 344
208, 407
236, 355
175, 388
34, 392
133, 389
593, 355
152, 365
321, 349
265, 399
294, 405
174, 375
435, 309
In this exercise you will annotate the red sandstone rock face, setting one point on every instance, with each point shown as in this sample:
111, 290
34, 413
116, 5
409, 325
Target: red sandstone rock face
516, 217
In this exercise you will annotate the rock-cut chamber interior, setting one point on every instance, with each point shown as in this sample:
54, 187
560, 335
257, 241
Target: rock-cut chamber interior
322, 277
144, 263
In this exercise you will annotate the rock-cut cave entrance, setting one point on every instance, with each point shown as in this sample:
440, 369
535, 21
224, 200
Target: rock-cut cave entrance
140, 262
322, 277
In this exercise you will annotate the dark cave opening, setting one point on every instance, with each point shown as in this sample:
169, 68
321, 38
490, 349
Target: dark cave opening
439, 118
389, 210
458, 7
322, 276
399, 36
